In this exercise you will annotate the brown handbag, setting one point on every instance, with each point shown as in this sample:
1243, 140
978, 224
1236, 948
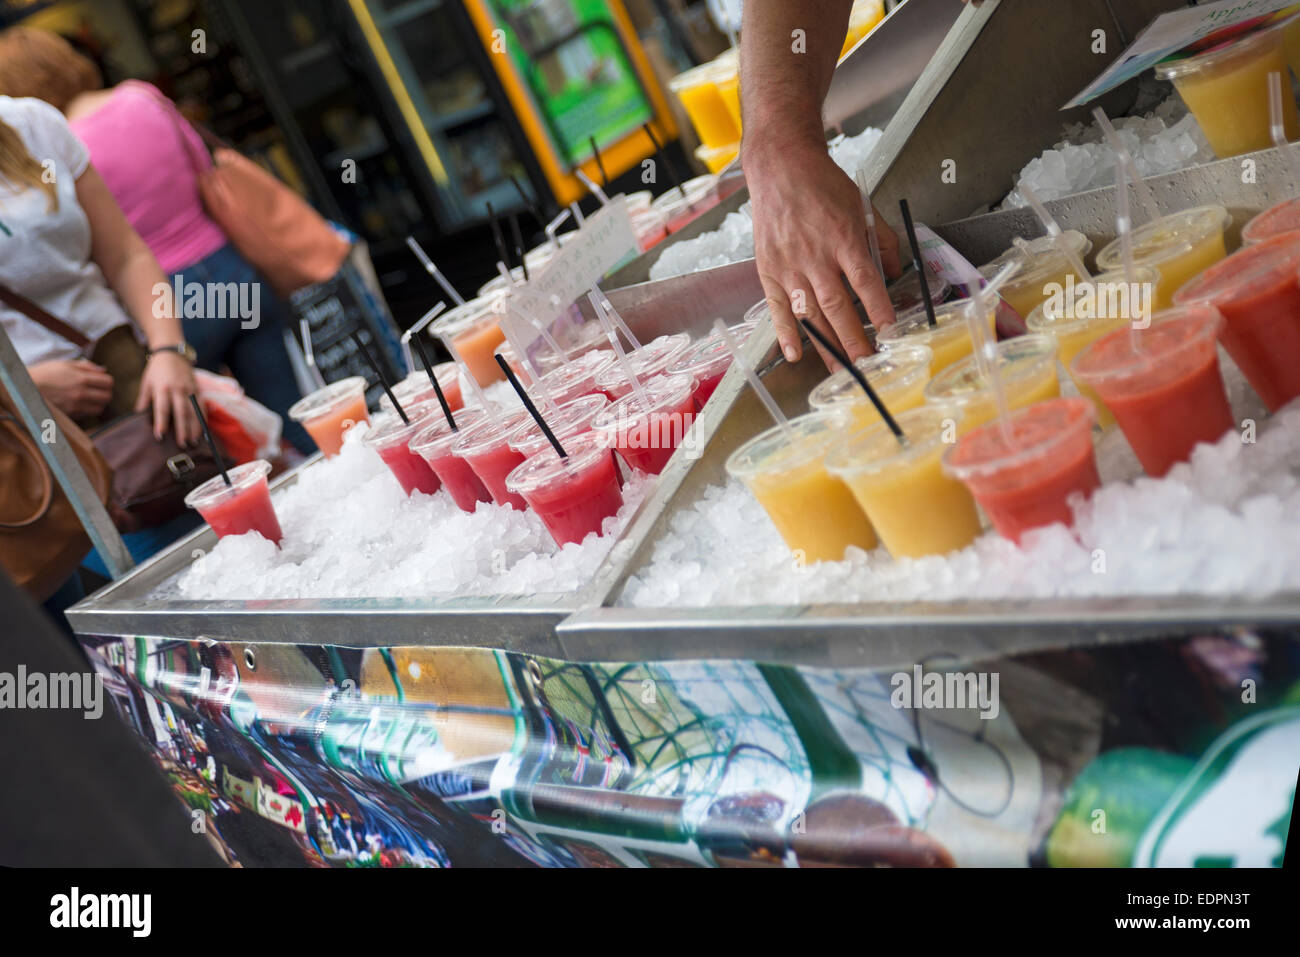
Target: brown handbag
41, 537
151, 477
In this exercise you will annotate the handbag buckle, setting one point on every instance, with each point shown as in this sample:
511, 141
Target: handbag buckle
180, 465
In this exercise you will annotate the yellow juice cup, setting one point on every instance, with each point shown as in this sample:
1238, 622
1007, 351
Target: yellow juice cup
1028, 368
729, 90
1226, 88
1087, 311
813, 510
1042, 267
715, 160
1178, 246
916, 509
698, 91
948, 340
863, 19
898, 377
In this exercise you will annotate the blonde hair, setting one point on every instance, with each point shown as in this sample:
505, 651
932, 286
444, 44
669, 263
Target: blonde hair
44, 65
20, 168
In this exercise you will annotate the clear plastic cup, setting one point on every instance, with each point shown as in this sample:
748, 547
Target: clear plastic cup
390, 438
1164, 389
905, 292
708, 361
654, 357
1284, 217
678, 210
577, 377
813, 510
417, 388
434, 444
1178, 246
569, 420
1043, 266
716, 158
1027, 365
915, 508
948, 339
1026, 482
1226, 88
639, 201
328, 413
1088, 311
697, 89
647, 434
475, 330
572, 495
486, 448
650, 228
1257, 291
240, 507
898, 376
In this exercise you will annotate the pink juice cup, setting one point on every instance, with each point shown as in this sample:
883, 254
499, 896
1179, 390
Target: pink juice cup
1282, 218
240, 507
328, 413
572, 495
390, 437
678, 210
708, 361
486, 449
434, 443
417, 388
655, 356
577, 377
571, 419
646, 437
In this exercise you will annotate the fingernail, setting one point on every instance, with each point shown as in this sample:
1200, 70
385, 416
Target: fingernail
790, 354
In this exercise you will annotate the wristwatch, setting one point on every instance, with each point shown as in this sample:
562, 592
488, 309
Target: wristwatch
182, 349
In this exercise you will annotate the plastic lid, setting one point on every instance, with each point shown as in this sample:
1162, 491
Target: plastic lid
438, 437
655, 356
1039, 259
545, 466
696, 189
1182, 330
1223, 55
1282, 218
1246, 273
810, 437
949, 317
577, 374
1018, 358
887, 372
759, 311
329, 398
1168, 236
1089, 302
905, 292
242, 478
704, 358
462, 317
570, 419
391, 430
876, 448
1037, 432
416, 385
492, 433
662, 391
638, 201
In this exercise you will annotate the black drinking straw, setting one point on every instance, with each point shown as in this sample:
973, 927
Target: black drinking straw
383, 379
433, 379
532, 207
528, 404
497, 237
216, 453
663, 159
918, 262
854, 371
600, 164
518, 238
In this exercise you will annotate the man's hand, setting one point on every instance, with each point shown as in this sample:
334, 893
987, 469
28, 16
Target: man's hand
167, 384
78, 387
809, 231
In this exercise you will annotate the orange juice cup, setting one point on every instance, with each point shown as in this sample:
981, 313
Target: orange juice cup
474, 330
1027, 367
915, 508
697, 89
948, 340
898, 375
785, 470
328, 413
1178, 246
1043, 267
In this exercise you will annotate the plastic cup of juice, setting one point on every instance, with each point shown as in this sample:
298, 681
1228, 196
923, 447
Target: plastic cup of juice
1283, 217
915, 508
948, 340
1178, 246
639, 201
655, 357
707, 361
1027, 365
1257, 291
577, 377
647, 434
905, 292
1165, 391
813, 510
486, 449
1042, 266
898, 375
678, 210
475, 330
416, 388
862, 20
650, 228
697, 89
242, 506
1026, 482
434, 442
567, 421
1226, 88
390, 438
1086, 312
328, 413
572, 495
717, 158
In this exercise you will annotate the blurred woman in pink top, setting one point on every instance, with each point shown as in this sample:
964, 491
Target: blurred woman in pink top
150, 158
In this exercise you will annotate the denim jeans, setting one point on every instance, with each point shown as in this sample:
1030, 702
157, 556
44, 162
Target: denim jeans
256, 355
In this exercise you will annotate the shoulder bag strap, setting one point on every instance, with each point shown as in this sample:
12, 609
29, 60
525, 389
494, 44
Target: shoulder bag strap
16, 300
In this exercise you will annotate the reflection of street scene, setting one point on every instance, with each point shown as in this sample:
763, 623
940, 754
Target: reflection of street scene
426, 757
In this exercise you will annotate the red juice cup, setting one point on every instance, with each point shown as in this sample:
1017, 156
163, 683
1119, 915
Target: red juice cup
577, 377
569, 420
655, 356
1257, 291
433, 444
328, 413
240, 507
647, 437
649, 227
1026, 482
390, 437
1165, 389
417, 388
572, 495
708, 361
486, 449
1282, 218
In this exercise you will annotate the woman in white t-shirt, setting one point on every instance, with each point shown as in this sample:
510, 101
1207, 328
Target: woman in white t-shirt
65, 245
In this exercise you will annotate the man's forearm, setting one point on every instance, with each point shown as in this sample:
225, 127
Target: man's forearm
788, 54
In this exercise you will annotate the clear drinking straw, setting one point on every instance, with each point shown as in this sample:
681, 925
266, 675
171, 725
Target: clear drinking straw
488, 407
592, 187
985, 352
1145, 197
578, 218
873, 238
1054, 231
415, 330
434, 271
721, 331
1277, 126
619, 355
309, 353
1124, 226
553, 229
537, 324
617, 319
